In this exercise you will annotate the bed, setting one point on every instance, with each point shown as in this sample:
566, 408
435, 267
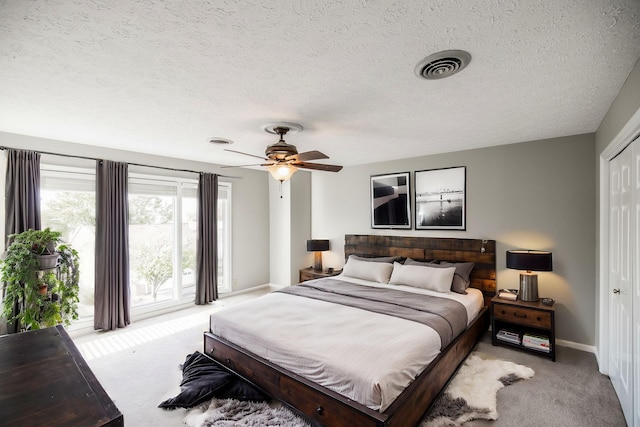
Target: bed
309, 378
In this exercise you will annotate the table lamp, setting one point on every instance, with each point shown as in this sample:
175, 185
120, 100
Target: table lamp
317, 246
530, 261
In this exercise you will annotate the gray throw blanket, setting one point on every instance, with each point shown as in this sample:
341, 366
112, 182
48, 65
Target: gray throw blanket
447, 317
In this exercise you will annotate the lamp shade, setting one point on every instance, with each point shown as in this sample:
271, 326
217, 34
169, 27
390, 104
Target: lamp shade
317, 245
529, 260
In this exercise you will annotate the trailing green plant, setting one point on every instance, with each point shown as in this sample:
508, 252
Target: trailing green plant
43, 242
21, 274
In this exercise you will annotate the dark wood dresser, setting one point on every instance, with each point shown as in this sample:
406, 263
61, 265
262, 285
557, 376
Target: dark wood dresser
44, 381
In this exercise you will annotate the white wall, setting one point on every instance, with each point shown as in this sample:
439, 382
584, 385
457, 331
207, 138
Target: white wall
250, 217
533, 195
280, 241
290, 227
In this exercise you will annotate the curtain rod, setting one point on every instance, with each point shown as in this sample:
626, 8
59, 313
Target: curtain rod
129, 163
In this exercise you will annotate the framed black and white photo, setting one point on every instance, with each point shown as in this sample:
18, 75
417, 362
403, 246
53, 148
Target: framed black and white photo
440, 199
390, 201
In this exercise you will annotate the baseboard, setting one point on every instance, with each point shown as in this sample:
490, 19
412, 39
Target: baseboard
578, 346
251, 289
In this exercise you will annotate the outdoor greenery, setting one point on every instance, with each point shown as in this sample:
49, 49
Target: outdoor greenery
23, 276
151, 242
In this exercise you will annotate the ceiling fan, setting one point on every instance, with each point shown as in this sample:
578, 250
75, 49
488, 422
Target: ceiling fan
283, 159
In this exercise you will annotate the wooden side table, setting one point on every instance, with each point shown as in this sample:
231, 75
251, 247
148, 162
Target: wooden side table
309, 274
528, 321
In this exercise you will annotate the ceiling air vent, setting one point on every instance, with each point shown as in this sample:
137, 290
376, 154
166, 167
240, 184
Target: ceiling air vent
220, 141
442, 64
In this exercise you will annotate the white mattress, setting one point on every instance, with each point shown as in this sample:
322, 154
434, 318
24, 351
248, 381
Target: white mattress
366, 356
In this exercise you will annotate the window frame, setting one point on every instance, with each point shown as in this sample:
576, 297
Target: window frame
225, 284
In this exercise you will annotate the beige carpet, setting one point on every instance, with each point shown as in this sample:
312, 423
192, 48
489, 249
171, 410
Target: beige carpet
139, 368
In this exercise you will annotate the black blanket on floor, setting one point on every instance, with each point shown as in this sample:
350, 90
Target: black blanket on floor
203, 379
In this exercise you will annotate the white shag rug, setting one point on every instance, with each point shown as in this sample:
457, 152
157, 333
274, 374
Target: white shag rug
471, 395
236, 413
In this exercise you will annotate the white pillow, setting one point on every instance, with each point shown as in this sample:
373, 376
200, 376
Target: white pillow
419, 276
372, 271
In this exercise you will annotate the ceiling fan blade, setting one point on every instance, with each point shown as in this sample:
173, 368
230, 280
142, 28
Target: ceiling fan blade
247, 166
240, 166
318, 166
246, 154
307, 155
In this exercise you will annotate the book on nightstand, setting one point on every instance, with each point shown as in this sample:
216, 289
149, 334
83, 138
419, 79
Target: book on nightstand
538, 342
509, 294
508, 336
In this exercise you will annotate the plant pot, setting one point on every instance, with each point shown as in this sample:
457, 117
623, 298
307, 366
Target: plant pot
47, 261
43, 289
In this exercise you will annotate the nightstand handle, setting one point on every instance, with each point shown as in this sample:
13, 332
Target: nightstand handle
616, 291
524, 316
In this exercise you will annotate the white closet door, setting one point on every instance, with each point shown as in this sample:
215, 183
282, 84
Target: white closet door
635, 184
620, 281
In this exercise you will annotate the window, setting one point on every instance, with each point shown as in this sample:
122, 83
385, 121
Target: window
155, 262
68, 205
224, 237
162, 233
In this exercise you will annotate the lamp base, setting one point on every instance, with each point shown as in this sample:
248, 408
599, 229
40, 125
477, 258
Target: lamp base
528, 287
317, 261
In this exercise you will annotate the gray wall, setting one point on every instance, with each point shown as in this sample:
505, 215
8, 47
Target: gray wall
250, 218
623, 107
533, 195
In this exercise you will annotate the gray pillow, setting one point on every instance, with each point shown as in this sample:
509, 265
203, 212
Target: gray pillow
389, 259
461, 279
411, 261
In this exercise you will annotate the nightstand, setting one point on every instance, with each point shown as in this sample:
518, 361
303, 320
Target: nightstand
309, 273
529, 326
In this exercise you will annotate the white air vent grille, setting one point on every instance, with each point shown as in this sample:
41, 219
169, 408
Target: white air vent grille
220, 141
442, 64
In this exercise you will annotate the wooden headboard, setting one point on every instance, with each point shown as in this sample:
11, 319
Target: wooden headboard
481, 252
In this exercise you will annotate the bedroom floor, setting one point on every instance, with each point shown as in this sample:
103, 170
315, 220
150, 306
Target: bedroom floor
568, 392
139, 367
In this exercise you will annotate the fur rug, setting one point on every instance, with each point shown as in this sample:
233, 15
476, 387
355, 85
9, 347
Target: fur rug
236, 413
471, 395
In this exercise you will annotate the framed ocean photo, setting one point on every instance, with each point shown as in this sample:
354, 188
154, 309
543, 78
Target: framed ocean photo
440, 199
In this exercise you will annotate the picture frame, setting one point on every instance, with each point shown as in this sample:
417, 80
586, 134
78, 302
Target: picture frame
391, 201
441, 199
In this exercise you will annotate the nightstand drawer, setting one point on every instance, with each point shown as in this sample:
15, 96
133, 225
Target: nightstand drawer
525, 316
310, 274
304, 276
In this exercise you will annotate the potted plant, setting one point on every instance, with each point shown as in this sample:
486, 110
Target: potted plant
46, 283
39, 294
43, 245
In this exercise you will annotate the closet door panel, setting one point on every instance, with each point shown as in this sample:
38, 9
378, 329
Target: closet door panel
635, 184
620, 281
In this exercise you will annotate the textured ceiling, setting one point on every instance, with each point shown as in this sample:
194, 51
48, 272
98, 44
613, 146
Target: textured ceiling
163, 77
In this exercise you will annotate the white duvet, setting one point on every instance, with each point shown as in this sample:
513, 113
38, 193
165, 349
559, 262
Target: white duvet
365, 356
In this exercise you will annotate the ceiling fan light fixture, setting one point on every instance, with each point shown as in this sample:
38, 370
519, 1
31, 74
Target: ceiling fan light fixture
282, 172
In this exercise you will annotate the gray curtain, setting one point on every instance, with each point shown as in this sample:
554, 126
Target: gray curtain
22, 192
207, 246
112, 295
22, 204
